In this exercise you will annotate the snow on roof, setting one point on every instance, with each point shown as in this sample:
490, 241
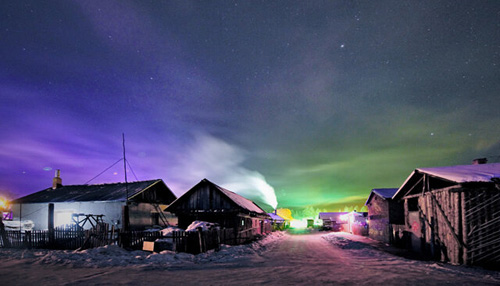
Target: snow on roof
276, 217
383, 193
465, 173
85, 193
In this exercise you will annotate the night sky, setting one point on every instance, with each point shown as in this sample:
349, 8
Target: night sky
319, 100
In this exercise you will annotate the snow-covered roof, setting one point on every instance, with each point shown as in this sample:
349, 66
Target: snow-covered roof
383, 193
98, 192
465, 173
276, 217
456, 174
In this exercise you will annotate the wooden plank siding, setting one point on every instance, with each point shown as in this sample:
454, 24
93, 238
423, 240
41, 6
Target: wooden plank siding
378, 210
204, 199
482, 226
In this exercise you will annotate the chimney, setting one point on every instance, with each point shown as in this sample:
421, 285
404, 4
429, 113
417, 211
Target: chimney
57, 181
479, 161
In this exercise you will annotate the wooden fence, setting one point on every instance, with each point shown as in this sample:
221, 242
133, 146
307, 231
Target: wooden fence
59, 238
73, 238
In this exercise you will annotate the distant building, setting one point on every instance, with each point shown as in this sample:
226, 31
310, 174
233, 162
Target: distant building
277, 222
336, 221
383, 213
105, 202
453, 213
209, 202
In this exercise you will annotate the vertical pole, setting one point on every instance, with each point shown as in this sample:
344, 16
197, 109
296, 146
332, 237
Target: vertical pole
2, 232
50, 224
125, 164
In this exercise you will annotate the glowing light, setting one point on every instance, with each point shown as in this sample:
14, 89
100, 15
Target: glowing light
4, 204
298, 223
344, 217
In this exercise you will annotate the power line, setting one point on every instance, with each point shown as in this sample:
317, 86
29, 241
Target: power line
119, 160
132, 170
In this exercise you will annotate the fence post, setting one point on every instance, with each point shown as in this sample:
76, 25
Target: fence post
51, 224
5, 241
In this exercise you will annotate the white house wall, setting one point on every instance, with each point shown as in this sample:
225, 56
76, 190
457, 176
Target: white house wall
38, 212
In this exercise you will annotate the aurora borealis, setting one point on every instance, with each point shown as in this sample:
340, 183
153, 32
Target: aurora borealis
320, 100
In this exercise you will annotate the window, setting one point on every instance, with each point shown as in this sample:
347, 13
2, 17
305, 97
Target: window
413, 205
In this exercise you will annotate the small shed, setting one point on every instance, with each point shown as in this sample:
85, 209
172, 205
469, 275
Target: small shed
277, 222
209, 202
383, 214
357, 223
452, 213
96, 203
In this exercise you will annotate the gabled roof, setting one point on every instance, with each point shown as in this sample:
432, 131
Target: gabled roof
383, 193
243, 203
465, 173
453, 174
276, 217
85, 193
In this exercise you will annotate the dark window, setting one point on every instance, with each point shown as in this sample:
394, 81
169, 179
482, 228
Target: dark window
413, 205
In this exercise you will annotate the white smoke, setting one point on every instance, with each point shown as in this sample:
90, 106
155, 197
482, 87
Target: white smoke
221, 163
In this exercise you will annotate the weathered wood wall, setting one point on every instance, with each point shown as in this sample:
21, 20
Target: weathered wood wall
440, 214
378, 211
482, 225
205, 198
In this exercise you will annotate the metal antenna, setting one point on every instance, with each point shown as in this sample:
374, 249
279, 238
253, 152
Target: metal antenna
125, 164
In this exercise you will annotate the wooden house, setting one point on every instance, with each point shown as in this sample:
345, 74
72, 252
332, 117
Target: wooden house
333, 220
453, 213
277, 222
383, 214
209, 202
88, 204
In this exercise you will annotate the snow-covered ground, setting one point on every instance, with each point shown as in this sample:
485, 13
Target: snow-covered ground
112, 255
278, 259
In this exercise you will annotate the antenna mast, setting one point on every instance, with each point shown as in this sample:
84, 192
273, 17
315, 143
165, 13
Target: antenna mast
125, 164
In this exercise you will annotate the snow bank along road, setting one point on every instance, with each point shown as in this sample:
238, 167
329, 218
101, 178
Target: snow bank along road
309, 259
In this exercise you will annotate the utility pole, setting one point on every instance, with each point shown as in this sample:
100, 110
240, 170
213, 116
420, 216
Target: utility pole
125, 208
125, 165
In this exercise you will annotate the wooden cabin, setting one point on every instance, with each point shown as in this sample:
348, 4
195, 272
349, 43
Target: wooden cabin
453, 213
383, 214
87, 205
277, 222
209, 202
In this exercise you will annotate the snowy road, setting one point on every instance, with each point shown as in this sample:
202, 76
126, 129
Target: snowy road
292, 260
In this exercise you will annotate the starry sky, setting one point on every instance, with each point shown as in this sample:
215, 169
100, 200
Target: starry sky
299, 103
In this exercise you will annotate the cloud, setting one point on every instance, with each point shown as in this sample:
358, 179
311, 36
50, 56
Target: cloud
220, 162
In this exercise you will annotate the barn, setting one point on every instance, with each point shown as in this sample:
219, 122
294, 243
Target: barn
209, 202
453, 213
383, 213
89, 204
